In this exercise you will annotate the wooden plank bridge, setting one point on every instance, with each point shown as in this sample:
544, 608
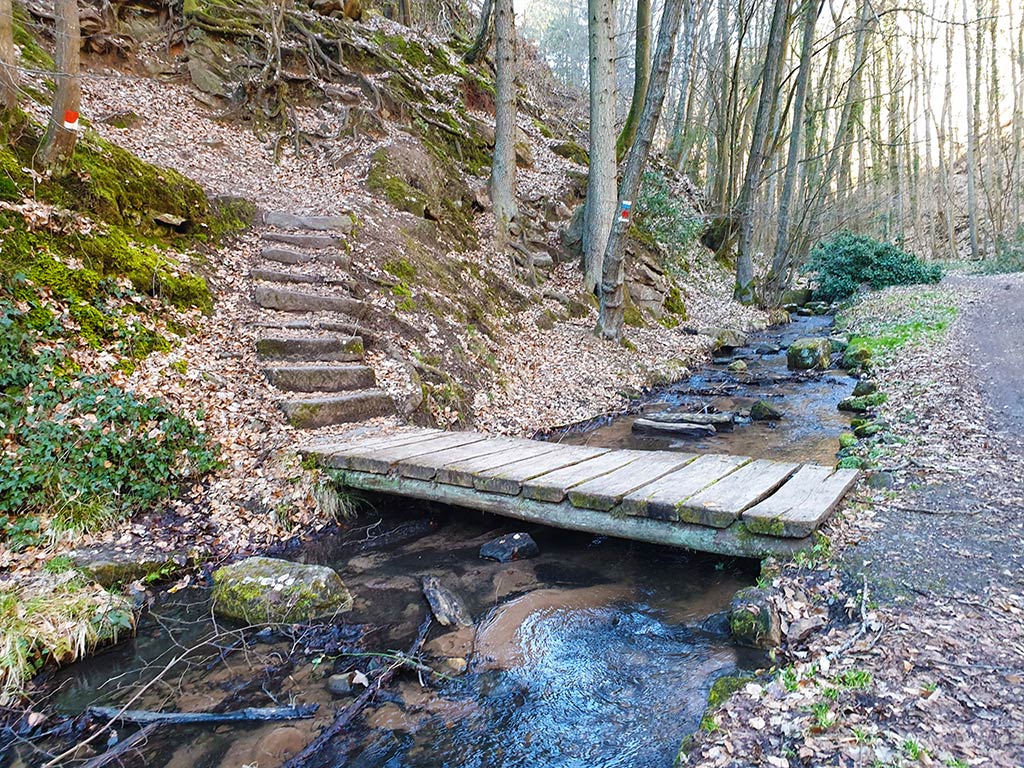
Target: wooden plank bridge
731, 505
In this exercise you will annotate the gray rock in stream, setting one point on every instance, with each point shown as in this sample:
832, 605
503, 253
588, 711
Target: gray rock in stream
808, 353
720, 421
264, 590
511, 546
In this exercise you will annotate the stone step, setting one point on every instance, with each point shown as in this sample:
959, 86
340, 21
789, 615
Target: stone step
285, 300
273, 276
321, 378
302, 240
327, 349
314, 412
342, 222
292, 257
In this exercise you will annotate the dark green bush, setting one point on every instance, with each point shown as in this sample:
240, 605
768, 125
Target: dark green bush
847, 262
78, 448
661, 216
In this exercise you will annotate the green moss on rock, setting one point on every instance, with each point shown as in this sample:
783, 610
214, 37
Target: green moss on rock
266, 590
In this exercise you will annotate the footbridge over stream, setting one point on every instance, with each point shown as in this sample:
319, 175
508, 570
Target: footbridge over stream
730, 505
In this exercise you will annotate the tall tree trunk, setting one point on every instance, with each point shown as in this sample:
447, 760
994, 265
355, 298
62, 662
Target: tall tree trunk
679, 142
641, 77
503, 167
972, 144
8, 58
774, 53
612, 309
782, 265
59, 144
483, 35
602, 174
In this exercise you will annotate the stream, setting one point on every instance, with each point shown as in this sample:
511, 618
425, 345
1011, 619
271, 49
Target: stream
596, 653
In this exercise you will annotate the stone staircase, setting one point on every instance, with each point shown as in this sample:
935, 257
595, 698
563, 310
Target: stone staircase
309, 337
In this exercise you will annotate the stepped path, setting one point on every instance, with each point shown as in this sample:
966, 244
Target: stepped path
309, 340
730, 505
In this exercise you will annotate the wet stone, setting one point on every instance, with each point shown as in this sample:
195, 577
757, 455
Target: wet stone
764, 411
339, 685
865, 387
512, 546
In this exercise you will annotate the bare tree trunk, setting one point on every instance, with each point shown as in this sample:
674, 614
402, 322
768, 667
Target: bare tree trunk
602, 175
612, 312
483, 35
59, 144
779, 277
774, 53
641, 77
8, 58
679, 143
972, 144
503, 167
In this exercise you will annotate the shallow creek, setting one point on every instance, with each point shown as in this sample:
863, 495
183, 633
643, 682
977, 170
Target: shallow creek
596, 653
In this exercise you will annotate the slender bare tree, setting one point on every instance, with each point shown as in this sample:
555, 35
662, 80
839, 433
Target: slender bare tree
8, 59
613, 289
483, 35
503, 167
59, 143
641, 77
602, 180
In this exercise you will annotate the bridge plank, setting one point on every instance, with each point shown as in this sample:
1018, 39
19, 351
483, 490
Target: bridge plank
509, 478
661, 499
554, 486
425, 467
720, 504
381, 460
463, 472
332, 453
802, 504
604, 492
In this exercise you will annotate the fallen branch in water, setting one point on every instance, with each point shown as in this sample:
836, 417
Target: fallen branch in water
249, 714
345, 716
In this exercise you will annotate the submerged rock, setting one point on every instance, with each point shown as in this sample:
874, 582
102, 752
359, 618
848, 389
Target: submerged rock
682, 428
738, 365
511, 546
447, 607
764, 411
263, 590
808, 353
340, 685
726, 338
754, 620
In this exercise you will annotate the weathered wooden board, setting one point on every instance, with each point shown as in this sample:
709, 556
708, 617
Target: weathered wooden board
509, 478
464, 472
606, 491
331, 453
720, 504
381, 460
660, 500
734, 541
802, 503
554, 486
425, 466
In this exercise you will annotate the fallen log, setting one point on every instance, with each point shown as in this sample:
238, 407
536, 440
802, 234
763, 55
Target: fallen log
720, 421
249, 714
671, 428
346, 715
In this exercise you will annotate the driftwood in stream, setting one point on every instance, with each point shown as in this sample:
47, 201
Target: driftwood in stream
117, 753
720, 421
447, 607
673, 428
249, 714
346, 715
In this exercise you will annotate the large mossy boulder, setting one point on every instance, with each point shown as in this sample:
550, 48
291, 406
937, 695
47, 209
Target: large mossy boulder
808, 354
263, 590
796, 296
725, 338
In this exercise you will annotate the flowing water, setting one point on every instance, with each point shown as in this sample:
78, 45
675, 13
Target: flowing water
597, 653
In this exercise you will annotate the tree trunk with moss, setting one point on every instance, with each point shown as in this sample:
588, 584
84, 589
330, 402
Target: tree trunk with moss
613, 304
503, 167
59, 144
641, 77
8, 58
602, 175
483, 35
